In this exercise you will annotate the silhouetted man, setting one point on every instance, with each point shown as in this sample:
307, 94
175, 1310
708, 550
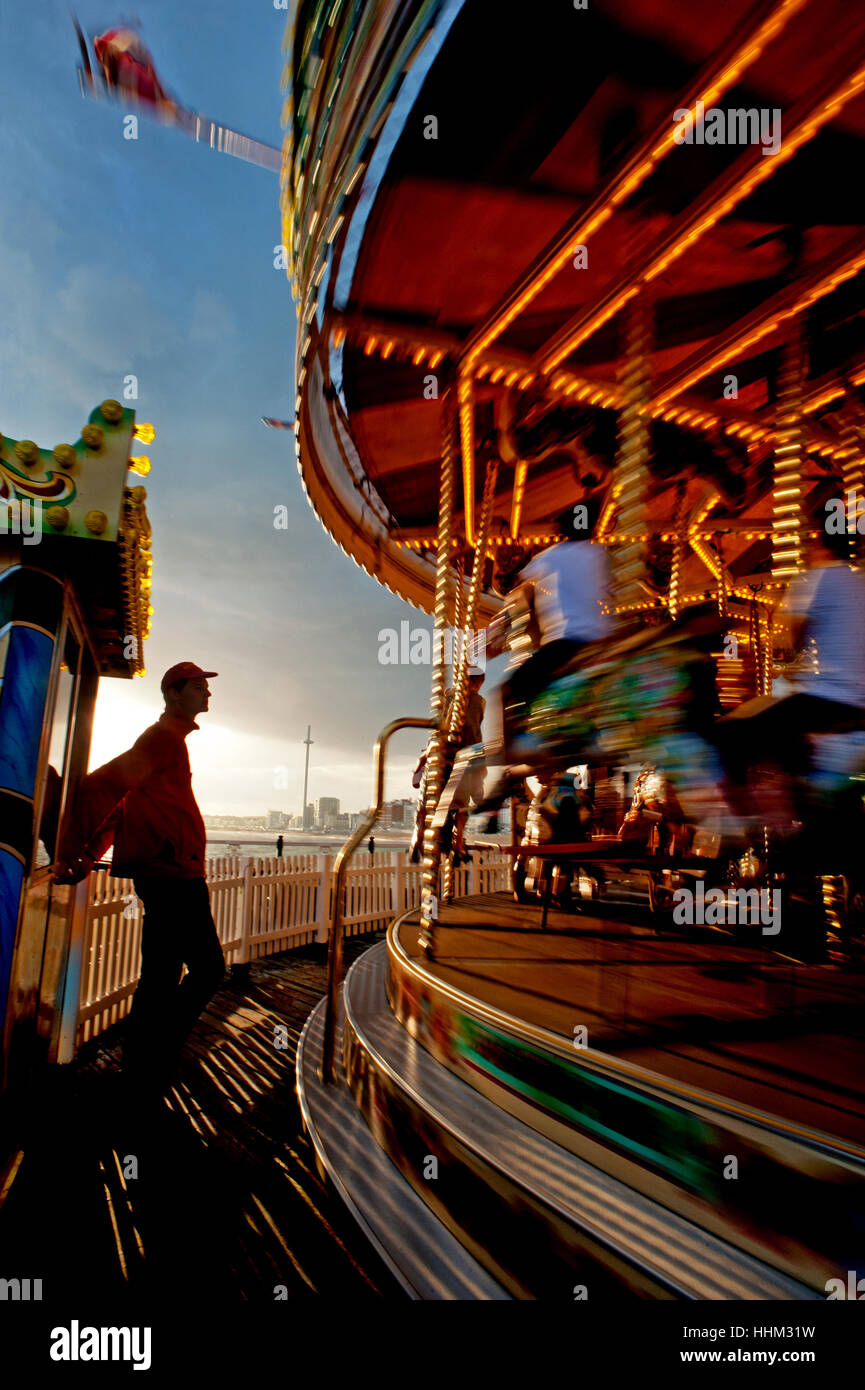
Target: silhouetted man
143, 802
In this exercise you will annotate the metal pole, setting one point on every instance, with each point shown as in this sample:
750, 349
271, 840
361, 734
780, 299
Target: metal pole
787, 464
308, 741
461, 678
853, 475
436, 759
334, 956
631, 473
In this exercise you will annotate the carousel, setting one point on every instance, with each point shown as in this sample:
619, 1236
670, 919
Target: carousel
75, 572
607, 258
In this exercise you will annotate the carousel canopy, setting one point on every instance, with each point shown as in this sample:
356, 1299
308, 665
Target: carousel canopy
593, 245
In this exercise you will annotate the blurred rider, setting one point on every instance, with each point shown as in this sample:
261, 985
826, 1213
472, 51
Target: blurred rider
564, 588
568, 583
821, 625
472, 786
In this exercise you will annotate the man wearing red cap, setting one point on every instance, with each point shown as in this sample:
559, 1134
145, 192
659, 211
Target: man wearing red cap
142, 801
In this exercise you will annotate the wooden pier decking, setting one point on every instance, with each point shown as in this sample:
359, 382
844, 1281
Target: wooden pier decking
227, 1205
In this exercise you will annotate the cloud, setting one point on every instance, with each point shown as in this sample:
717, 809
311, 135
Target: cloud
211, 320
68, 344
288, 620
108, 319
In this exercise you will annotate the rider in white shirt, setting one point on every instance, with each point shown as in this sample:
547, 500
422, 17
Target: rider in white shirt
565, 587
814, 718
569, 582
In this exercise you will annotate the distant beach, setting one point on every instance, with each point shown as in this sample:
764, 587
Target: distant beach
261, 844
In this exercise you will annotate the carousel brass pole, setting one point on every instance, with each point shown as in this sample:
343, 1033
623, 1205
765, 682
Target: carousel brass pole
459, 590
447, 879
755, 641
461, 679
458, 708
853, 475
722, 578
631, 473
678, 554
459, 636
436, 760
787, 489
767, 667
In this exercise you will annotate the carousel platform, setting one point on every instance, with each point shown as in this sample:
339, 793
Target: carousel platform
591, 1110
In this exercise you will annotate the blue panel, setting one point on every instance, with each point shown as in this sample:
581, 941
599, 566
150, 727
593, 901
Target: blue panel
11, 878
22, 707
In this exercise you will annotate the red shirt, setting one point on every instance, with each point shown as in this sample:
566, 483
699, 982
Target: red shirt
143, 801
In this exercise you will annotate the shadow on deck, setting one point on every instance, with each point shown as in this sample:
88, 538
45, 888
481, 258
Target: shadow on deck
227, 1204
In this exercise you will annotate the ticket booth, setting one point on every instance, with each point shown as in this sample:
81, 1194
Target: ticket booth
75, 571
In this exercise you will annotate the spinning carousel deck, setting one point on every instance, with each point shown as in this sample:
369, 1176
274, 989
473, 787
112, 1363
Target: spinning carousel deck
698, 1009
593, 1106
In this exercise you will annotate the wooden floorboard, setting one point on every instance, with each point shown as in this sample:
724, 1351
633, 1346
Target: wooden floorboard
227, 1204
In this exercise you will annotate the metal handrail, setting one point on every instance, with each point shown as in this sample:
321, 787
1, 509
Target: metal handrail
334, 954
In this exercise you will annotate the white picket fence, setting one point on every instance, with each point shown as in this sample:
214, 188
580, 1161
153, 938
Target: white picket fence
259, 906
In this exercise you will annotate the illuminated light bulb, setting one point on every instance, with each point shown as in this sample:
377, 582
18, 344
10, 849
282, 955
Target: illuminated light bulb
140, 465
146, 433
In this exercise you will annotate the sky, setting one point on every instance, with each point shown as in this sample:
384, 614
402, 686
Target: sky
155, 257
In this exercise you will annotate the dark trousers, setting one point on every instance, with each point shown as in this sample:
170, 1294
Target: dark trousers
779, 733
513, 695
539, 669
178, 930
778, 736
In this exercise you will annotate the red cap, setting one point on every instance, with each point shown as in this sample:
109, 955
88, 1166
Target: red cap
184, 671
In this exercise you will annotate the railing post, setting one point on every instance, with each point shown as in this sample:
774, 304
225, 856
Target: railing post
399, 901
74, 962
474, 884
245, 915
325, 869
